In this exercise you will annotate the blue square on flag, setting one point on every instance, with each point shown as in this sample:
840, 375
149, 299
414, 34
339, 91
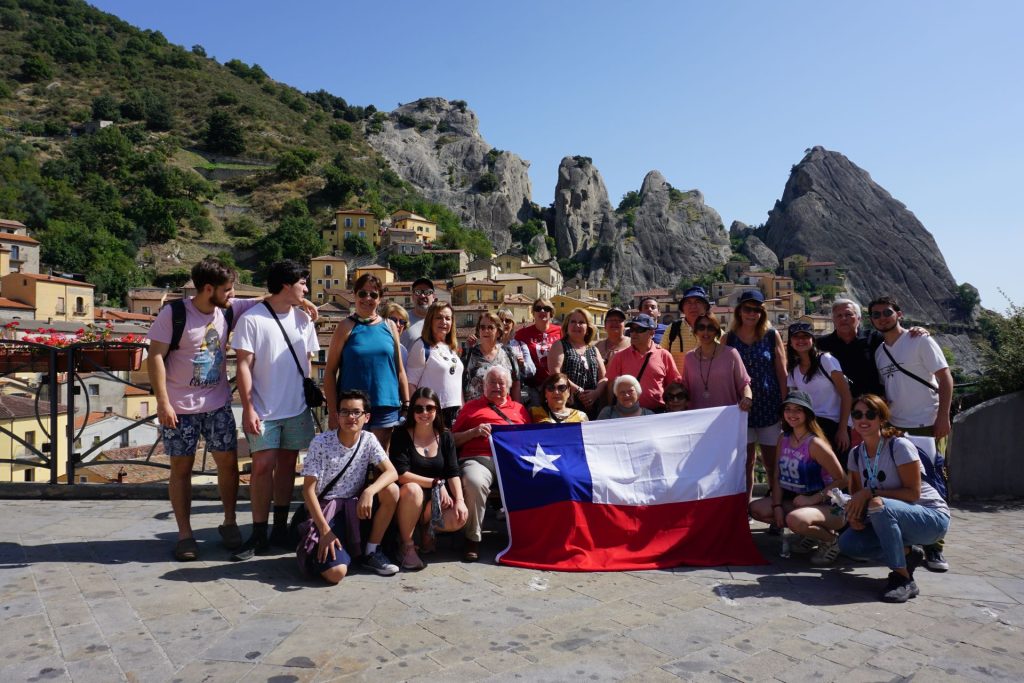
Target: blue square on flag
541, 464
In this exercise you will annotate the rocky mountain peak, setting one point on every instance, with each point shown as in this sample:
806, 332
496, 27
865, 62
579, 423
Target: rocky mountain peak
582, 211
831, 210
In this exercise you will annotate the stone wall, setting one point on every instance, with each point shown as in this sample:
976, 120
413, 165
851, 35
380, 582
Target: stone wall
987, 449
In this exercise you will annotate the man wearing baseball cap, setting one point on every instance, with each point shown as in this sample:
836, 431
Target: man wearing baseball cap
679, 339
652, 365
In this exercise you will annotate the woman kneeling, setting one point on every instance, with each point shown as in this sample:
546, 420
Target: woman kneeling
807, 469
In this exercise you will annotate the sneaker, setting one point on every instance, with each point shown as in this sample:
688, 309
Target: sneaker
826, 554
251, 548
934, 560
411, 562
230, 536
279, 537
805, 546
774, 530
899, 588
915, 558
377, 561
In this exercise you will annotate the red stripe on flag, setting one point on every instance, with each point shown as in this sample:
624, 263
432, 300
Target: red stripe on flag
574, 536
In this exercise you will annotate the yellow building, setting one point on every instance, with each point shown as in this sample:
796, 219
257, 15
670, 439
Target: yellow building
564, 304
138, 403
527, 285
548, 273
352, 223
520, 306
18, 416
55, 298
511, 263
385, 274
425, 229
326, 272
478, 292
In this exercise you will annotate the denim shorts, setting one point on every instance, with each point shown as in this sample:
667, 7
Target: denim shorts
383, 417
216, 426
289, 434
766, 436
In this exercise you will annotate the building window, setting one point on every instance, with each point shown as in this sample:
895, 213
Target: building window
124, 440
362, 233
337, 282
15, 252
362, 222
319, 295
327, 271
519, 290
79, 305
319, 281
348, 233
94, 389
146, 309
348, 224
144, 409
60, 304
30, 474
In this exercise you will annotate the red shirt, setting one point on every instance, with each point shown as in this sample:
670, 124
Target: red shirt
661, 370
478, 412
540, 344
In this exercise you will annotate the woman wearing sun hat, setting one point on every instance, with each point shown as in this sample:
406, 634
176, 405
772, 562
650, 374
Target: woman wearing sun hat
820, 376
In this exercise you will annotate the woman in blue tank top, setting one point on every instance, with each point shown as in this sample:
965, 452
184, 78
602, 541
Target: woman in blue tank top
365, 354
807, 468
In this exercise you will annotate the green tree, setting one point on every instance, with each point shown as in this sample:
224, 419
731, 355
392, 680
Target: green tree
224, 134
290, 166
105, 107
296, 238
36, 68
354, 244
965, 300
1004, 372
488, 183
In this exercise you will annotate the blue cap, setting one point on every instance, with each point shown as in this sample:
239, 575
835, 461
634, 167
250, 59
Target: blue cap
752, 295
643, 320
696, 292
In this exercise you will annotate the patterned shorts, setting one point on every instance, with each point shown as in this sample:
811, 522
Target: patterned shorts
216, 426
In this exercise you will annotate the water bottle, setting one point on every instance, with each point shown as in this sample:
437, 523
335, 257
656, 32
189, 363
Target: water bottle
784, 551
839, 501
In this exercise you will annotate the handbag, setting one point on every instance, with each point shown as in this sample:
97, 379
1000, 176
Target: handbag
302, 527
314, 396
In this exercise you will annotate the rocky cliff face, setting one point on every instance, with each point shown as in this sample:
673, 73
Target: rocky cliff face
831, 210
673, 234
436, 146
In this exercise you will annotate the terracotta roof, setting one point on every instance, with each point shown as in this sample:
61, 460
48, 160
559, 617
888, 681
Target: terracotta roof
412, 216
135, 391
17, 407
517, 299
328, 257
11, 223
109, 314
93, 417
51, 278
155, 294
11, 303
354, 212
11, 237
513, 276
656, 292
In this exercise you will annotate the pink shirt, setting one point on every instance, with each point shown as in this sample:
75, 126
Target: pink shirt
196, 374
660, 370
725, 375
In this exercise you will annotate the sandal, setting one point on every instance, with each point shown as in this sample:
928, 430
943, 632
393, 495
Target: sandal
471, 552
411, 562
428, 544
186, 550
230, 536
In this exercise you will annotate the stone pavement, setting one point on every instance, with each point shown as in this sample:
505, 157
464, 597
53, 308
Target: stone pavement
88, 592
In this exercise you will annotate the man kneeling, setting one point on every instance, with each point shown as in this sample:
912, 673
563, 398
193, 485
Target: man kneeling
342, 456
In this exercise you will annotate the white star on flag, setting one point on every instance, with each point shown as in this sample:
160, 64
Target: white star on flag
541, 461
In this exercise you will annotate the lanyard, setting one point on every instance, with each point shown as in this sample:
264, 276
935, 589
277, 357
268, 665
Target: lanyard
872, 466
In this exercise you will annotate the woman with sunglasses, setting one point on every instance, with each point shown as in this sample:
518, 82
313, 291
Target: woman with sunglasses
527, 369
400, 317
576, 356
538, 338
714, 374
764, 357
365, 354
487, 352
676, 397
820, 375
434, 360
626, 389
892, 508
423, 453
808, 469
556, 396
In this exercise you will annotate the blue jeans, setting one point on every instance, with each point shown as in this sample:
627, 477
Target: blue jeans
892, 527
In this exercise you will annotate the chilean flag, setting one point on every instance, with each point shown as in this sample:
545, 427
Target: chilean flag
631, 493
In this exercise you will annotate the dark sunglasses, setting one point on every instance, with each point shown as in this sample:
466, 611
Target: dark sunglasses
675, 397
543, 309
488, 327
422, 292
887, 313
705, 327
751, 309
870, 414
420, 409
362, 294
397, 321
559, 388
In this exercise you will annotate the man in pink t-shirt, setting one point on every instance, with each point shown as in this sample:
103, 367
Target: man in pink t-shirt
651, 365
194, 398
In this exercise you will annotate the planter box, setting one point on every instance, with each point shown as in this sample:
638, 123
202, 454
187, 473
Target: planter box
30, 361
109, 359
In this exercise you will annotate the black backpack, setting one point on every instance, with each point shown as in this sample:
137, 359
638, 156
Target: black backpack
178, 315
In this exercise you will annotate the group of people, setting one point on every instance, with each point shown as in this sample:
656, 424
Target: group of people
406, 402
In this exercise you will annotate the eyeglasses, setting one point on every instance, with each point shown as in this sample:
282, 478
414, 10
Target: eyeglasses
423, 292
750, 309
582, 323
705, 327
675, 397
506, 322
420, 409
543, 309
869, 414
362, 294
488, 327
398, 321
559, 388
352, 413
887, 313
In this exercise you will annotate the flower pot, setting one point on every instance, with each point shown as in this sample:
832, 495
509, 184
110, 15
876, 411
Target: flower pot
30, 360
109, 359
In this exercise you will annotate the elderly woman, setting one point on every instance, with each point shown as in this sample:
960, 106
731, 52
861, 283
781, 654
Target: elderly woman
575, 355
472, 431
555, 409
626, 389
488, 352
527, 368
892, 508
434, 360
538, 338
365, 354
820, 376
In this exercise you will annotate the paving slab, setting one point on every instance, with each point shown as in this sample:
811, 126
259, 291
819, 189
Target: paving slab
89, 592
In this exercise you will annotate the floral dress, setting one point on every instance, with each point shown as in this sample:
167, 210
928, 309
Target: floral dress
759, 359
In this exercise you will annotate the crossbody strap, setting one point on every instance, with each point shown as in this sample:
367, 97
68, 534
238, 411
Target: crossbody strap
344, 469
287, 340
643, 367
908, 373
502, 415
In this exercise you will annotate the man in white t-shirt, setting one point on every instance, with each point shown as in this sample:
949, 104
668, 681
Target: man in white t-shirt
918, 387
422, 296
275, 418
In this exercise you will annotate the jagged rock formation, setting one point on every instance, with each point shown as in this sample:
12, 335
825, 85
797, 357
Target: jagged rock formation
667, 236
436, 146
832, 210
759, 254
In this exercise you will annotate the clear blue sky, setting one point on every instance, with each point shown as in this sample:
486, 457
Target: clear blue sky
719, 96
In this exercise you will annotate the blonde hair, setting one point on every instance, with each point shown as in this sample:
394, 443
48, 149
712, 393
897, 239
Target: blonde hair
494, 318
591, 330
428, 326
391, 308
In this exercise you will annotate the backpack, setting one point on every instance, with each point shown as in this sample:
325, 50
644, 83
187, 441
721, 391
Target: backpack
934, 467
178, 315
673, 334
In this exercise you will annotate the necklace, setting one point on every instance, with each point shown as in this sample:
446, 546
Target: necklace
425, 450
705, 379
367, 321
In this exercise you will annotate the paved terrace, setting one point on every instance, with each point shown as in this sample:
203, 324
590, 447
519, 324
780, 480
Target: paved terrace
88, 592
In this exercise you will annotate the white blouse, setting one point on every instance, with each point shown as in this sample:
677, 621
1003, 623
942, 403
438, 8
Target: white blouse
441, 370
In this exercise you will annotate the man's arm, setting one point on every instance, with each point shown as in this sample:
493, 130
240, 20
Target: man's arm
158, 378
243, 375
945, 379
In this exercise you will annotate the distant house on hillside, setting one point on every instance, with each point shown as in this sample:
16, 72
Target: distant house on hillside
51, 297
423, 228
23, 251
